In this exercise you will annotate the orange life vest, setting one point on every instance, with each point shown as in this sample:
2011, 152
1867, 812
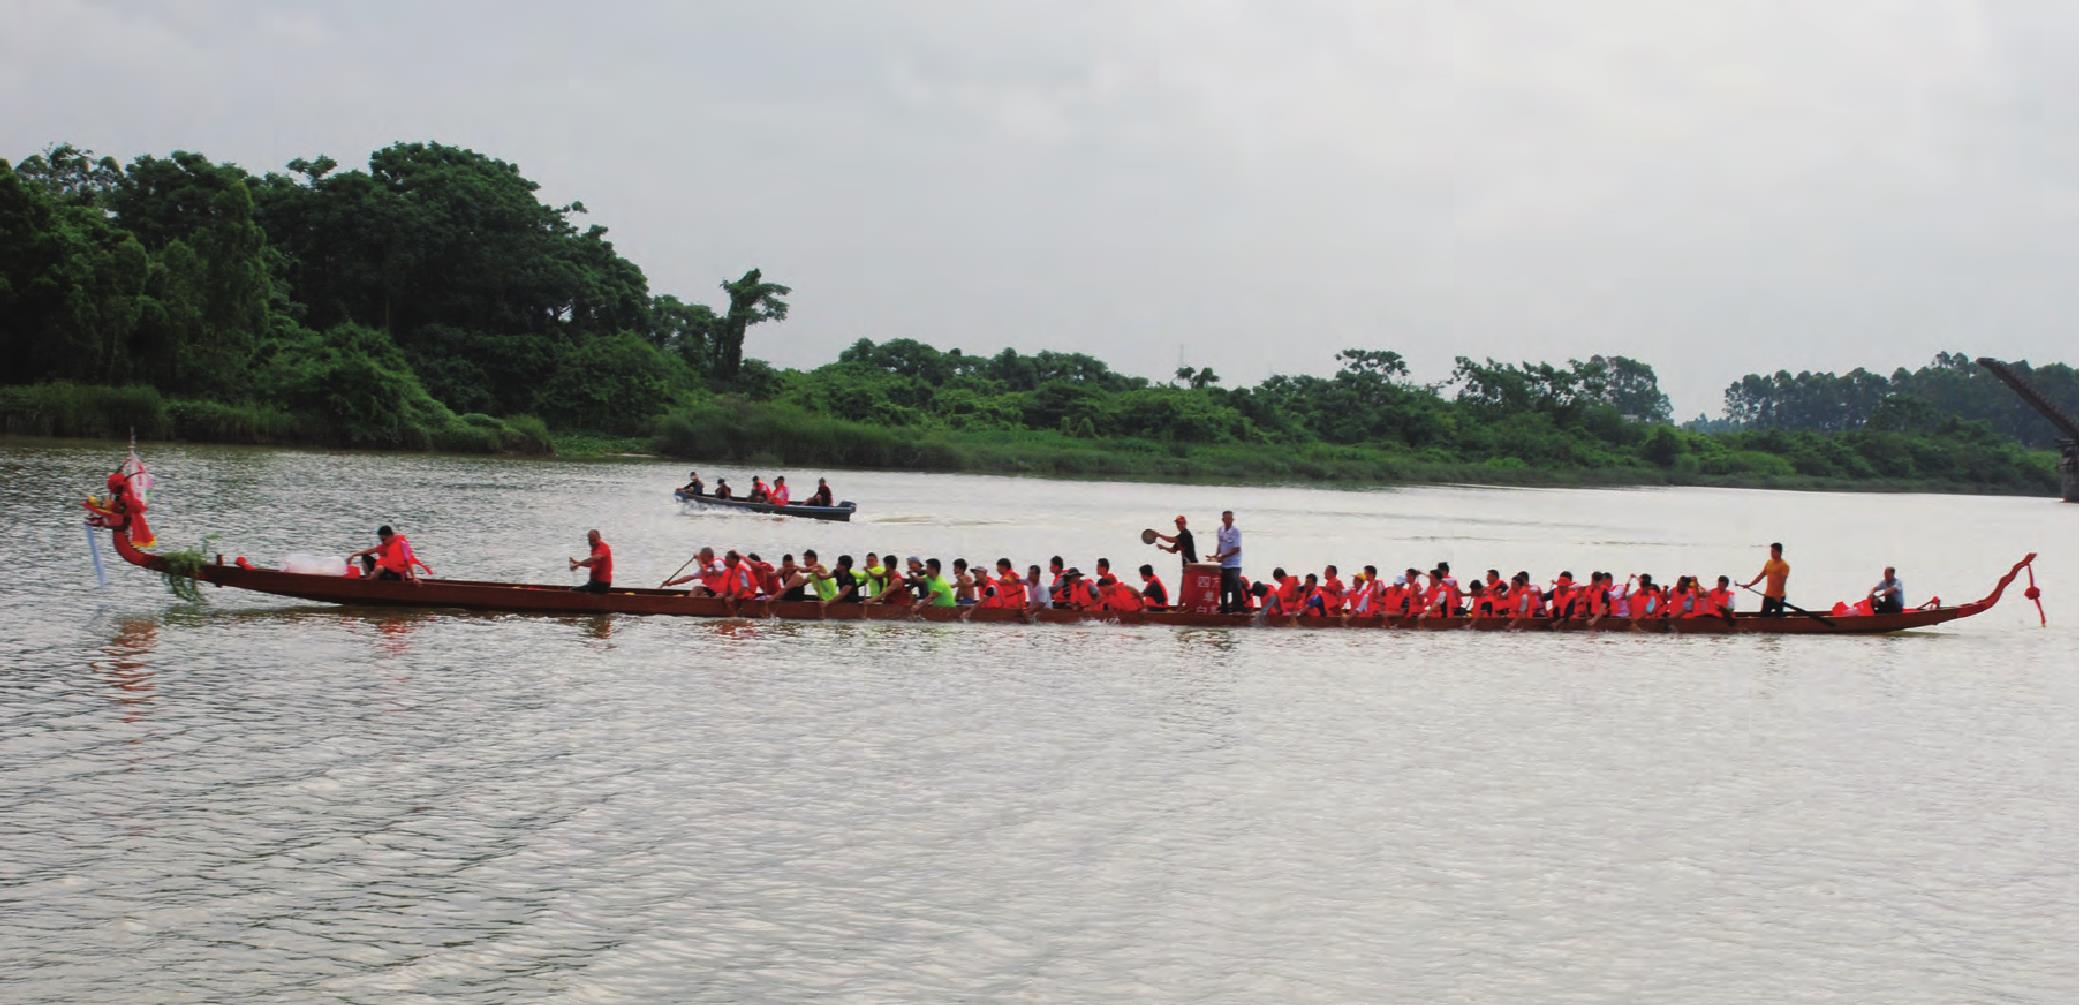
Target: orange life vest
1332, 595
394, 555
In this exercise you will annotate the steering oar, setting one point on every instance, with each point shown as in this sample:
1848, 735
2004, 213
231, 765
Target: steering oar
1790, 607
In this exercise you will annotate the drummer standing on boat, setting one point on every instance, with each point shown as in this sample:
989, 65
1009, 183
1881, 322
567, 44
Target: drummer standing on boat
1180, 543
1776, 571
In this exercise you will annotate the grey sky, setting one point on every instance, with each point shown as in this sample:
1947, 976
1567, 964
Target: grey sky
1714, 188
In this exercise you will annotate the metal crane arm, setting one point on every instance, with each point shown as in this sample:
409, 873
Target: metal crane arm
2029, 394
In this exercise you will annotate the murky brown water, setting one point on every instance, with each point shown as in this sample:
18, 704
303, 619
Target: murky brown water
258, 800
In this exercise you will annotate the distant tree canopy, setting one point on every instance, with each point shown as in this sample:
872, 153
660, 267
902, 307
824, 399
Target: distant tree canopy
197, 278
1950, 389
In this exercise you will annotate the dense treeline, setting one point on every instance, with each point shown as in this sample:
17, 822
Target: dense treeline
1907, 401
905, 404
352, 307
432, 300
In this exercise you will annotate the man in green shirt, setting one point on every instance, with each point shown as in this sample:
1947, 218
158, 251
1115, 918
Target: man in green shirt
820, 578
938, 591
871, 575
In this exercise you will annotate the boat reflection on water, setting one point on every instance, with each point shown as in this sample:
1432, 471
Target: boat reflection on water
597, 628
126, 664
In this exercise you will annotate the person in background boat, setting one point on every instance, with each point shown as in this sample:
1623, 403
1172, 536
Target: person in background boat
778, 495
601, 563
1153, 592
693, 484
1773, 576
938, 592
820, 497
1055, 574
1180, 543
758, 490
1227, 550
1889, 596
722, 490
391, 557
1037, 596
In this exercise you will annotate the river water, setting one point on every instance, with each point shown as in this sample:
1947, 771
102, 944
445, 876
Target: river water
260, 800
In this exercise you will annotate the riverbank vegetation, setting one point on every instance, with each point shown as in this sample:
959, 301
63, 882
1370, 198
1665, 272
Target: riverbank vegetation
431, 301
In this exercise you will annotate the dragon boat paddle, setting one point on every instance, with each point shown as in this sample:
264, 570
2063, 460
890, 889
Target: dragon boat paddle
675, 572
1823, 619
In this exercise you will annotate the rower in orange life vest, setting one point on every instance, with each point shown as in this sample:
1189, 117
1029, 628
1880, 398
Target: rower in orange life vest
1076, 592
777, 495
1310, 604
1331, 593
600, 563
1524, 599
1721, 598
1114, 595
1563, 596
391, 557
1011, 590
739, 579
763, 573
759, 492
1153, 592
1647, 601
707, 570
1436, 597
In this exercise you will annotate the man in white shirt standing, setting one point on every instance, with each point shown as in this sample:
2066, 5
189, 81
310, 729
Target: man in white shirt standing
1228, 552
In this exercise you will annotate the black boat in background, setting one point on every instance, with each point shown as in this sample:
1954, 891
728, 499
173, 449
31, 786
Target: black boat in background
842, 511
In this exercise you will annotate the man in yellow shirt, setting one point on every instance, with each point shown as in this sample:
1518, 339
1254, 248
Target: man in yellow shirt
1775, 571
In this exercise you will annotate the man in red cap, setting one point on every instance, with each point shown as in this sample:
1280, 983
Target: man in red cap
1180, 543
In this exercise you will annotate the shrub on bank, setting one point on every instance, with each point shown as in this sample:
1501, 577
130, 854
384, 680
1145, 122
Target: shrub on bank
62, 408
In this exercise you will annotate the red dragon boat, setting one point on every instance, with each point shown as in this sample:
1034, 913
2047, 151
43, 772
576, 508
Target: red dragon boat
524, 598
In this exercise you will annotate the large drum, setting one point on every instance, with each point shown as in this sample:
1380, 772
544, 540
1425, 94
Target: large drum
1200, 592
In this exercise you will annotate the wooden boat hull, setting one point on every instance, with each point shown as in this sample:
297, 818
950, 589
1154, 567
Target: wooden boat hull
519, 598
843, 511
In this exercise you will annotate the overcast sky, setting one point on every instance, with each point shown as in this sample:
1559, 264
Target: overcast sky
1715, 188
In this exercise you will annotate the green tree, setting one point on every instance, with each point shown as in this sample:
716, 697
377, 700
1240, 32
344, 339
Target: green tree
751, 300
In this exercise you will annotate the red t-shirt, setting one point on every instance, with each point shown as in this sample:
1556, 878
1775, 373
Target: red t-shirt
602, 563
